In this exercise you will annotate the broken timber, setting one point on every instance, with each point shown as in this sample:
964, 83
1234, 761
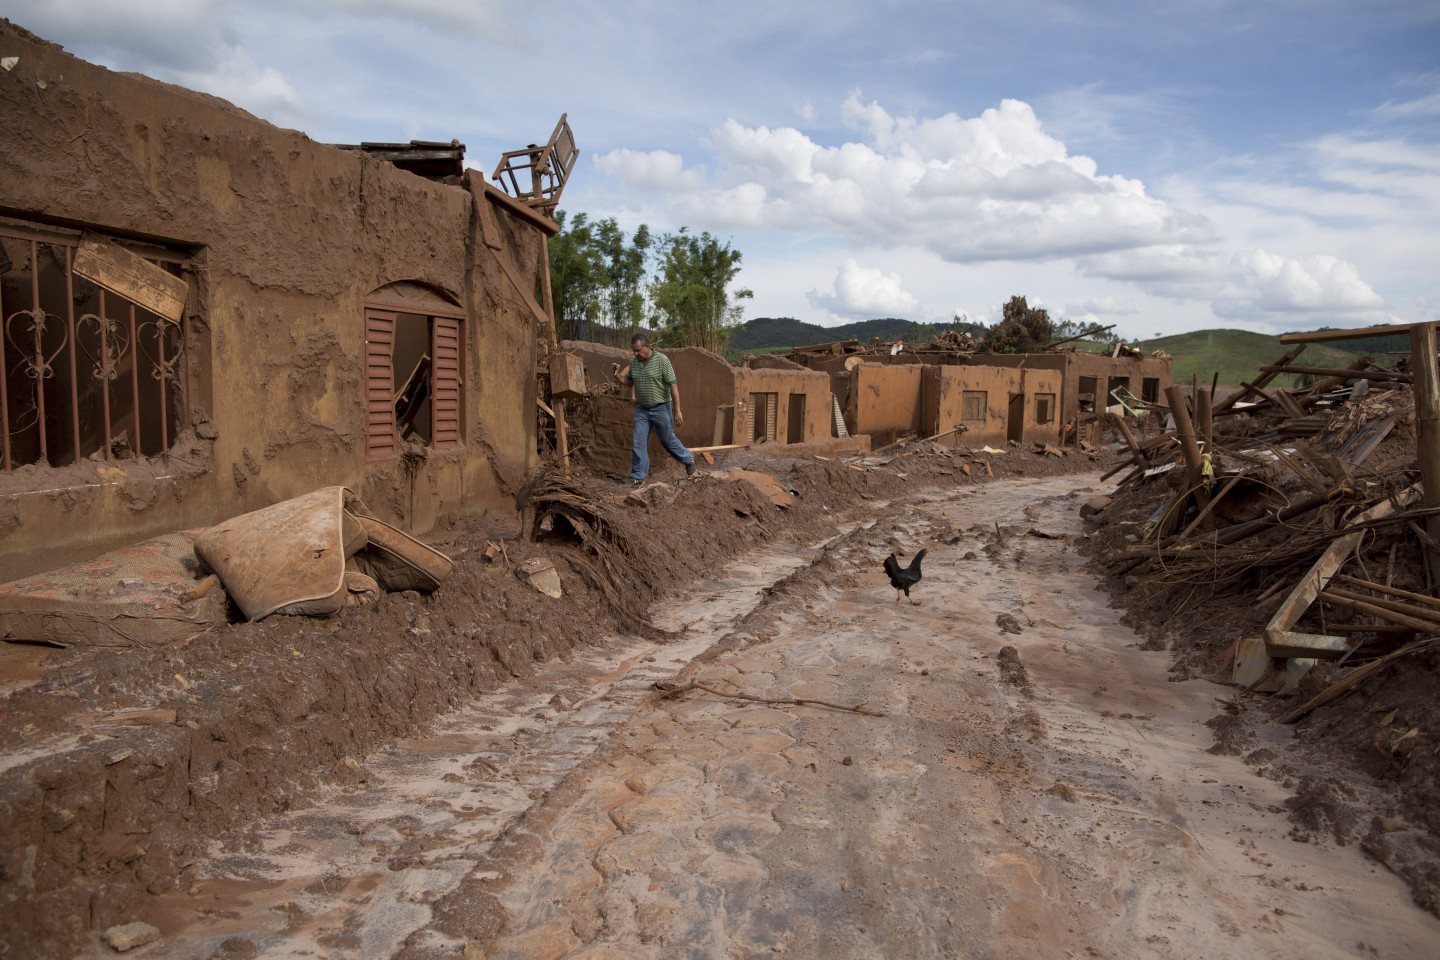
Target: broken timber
1278, 633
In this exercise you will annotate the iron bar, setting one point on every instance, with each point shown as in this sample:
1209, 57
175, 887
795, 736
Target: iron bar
160, 329
4, 384
38, 315
71, 340
136, 447
105, 371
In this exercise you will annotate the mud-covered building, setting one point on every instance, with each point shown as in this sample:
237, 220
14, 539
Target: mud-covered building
204, 313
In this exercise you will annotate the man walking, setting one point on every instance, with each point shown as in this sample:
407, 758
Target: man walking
656, 392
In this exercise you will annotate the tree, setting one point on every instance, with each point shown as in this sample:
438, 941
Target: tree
693, 304
1023, 329
597, 279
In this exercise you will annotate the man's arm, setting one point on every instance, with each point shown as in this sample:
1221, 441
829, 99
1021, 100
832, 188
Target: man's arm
675, 397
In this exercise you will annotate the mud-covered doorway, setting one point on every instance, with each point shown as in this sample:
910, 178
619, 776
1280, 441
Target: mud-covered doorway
1015, 419
795, 421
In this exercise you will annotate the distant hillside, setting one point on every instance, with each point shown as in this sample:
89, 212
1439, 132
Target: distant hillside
1238, 354
768, 334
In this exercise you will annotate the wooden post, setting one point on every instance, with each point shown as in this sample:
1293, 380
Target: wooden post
1185, 433
547, 298
1205, 420
1427, 422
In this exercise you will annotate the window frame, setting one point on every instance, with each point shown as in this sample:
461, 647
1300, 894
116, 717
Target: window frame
446, 329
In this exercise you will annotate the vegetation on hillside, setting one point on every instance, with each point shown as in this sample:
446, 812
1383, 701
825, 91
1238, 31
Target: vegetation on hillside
1238, 354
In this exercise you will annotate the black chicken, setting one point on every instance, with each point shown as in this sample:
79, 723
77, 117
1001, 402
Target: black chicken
903, 578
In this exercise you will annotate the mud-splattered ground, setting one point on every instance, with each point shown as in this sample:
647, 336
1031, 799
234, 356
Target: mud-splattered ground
1039, 791
505, 781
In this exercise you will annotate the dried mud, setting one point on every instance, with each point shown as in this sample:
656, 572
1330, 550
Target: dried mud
98, 817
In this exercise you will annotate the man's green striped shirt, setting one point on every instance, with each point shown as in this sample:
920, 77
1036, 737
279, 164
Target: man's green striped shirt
652, 379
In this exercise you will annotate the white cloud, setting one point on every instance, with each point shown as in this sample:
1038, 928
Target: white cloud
479, 18
1108, 306
656, 170
189, 42
1256, 285
181, 34
864, 293
993, 187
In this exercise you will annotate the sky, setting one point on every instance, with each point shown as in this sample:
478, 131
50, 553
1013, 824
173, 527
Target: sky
1267, 165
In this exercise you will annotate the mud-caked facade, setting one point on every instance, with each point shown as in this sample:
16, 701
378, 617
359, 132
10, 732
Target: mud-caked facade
990, 406
1089, 382
344, 321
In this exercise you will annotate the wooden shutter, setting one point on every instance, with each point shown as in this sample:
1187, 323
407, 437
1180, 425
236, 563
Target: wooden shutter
379, 385
445, 388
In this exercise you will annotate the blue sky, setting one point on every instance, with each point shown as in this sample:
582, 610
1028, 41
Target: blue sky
1264, 165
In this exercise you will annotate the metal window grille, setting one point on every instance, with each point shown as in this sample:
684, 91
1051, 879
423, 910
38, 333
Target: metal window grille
84, 372
972, 405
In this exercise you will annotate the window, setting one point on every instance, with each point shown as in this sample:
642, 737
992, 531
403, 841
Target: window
1150, 389
413, 346
86, 371
1044, 408
1085, 395
972, 406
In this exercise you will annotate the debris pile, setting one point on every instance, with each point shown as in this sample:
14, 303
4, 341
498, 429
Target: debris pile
1270, 494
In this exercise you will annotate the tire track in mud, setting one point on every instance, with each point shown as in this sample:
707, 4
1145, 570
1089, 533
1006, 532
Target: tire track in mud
1072, 813
365, 868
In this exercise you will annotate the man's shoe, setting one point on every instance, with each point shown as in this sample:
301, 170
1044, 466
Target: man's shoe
690, 469
634, 481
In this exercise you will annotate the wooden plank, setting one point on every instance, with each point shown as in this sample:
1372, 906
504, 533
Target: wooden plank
1337, 374
1356, 333
131, 276
1329, 564
1221, 407
1387, 589
1353, 679
1315, 646
1417, 618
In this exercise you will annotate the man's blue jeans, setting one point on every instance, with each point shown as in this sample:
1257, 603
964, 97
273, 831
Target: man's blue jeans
659, 420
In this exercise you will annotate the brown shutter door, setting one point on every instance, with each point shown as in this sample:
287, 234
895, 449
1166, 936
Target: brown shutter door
445, 387
379, 385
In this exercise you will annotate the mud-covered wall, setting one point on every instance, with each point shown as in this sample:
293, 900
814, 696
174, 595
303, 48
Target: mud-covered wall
290, 237
1073, 366
1034, 383
885, 401
945, 389
706, 382
804, 400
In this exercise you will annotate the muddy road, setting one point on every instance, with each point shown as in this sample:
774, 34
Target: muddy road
1035, 787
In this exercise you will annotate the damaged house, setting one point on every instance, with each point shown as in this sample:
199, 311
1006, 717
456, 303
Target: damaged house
204, 314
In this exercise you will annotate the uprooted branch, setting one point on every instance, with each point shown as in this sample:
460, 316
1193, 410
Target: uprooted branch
674, 690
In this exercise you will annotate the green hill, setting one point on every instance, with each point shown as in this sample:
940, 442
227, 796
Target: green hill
777, 334
1238, 354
